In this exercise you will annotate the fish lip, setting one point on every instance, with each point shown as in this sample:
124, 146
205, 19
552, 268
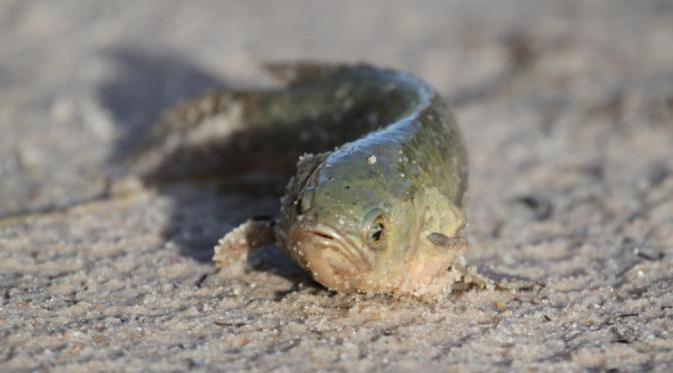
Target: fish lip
323, 233
329, 238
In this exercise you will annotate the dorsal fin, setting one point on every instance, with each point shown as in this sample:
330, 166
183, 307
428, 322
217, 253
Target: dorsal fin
295, 72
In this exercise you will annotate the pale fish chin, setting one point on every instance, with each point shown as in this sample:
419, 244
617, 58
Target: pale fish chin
331, 259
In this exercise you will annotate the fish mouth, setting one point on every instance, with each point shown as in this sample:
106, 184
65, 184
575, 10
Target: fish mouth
332, 258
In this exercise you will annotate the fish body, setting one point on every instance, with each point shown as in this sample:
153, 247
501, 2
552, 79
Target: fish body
362, 217
379, 171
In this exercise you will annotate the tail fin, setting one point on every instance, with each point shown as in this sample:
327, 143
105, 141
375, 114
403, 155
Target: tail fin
179, 129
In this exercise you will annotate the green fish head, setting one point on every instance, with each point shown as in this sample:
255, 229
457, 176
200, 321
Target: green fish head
354, 220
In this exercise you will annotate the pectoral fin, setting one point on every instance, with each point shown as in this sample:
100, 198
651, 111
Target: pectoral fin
443, 241
234, 248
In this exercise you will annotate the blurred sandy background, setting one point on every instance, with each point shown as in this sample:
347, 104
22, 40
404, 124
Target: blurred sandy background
567, 109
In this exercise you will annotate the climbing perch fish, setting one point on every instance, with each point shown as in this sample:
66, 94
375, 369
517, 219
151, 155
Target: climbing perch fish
378, 166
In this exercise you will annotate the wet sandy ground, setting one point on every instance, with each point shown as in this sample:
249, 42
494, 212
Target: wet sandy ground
567, 109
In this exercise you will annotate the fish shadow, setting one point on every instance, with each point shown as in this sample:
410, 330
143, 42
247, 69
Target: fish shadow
146, 84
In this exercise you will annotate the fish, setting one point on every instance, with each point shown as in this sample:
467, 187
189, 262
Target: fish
377, 165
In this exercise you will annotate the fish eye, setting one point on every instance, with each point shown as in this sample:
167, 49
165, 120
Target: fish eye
375, 229
377, 232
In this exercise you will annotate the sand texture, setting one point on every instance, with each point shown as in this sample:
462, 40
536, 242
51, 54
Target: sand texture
567, 112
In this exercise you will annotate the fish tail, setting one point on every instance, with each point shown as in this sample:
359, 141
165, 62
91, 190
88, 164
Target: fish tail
178, 143
187, 115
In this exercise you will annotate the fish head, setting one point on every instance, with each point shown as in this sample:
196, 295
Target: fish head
350, 223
